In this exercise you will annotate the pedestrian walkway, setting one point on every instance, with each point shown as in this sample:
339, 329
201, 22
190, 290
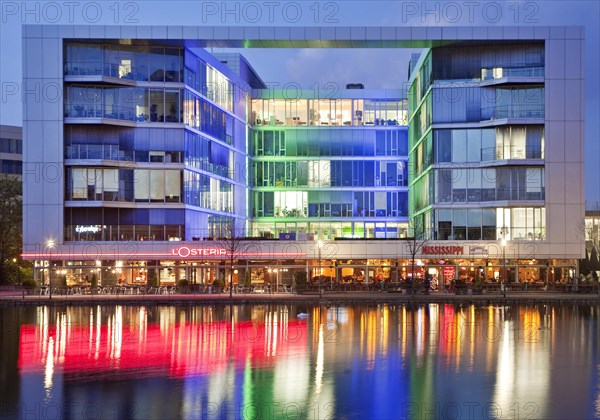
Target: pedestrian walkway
19, 298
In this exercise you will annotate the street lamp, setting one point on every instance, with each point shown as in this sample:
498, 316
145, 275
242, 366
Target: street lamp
503, 243
319, 246
50, 244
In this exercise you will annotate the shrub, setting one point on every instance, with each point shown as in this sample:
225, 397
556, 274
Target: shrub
154, 282
218, 283
29, 283
300, 280
247, 279
94, 280
183, 282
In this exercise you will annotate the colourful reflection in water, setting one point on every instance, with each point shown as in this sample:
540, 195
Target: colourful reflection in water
430, 361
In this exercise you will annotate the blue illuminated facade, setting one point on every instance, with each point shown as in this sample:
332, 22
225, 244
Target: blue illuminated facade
157, 140
152, 139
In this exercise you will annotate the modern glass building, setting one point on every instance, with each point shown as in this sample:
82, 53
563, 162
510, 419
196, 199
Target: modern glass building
157, 148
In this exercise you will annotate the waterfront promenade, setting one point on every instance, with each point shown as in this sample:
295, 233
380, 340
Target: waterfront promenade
17, 297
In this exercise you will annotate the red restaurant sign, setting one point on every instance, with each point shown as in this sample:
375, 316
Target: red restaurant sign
442, 250
186, 251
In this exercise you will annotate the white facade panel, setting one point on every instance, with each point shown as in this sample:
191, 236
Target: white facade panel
573, 100
33, 227
33, 96
33, 49
574, 147
573, 178
174, 32
574, 32
557, 32
83, 31
128, 32
555, 183
159, 32
465, 32
495, 32
282, 33
190, 32
419, 32
205, 32
403, 32
113, 31
98, 31
555, 59
358, 33
373, 32
541, 32
554, 147
575, 235
145, 32
512, 32
53, 141
555, 217
52, 98
52, 58
221, 32
49, 31
388, 33
434, 32
573, 59
526, 32
342, 33
480, 33
555, 100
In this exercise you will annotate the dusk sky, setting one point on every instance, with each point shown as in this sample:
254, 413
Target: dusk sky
373, 68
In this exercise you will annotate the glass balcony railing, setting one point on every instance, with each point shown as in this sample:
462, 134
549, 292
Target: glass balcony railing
511, 152
130, 72
513, 111
499, 72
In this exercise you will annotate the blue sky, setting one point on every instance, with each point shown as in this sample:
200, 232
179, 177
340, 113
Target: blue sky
374, 68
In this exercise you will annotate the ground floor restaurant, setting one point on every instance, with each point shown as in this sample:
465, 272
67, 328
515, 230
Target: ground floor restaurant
279, 273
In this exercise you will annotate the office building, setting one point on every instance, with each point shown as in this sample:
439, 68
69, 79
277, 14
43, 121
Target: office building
163, 147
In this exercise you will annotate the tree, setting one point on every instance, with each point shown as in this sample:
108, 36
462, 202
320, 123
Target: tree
233, 240
415, 242
11, 214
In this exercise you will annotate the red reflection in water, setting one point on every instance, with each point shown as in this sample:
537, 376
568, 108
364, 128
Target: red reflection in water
177, 351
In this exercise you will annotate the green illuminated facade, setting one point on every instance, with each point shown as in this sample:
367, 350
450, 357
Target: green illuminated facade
477, 142
329, 168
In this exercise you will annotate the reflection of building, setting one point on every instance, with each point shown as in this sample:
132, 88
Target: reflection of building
162, 146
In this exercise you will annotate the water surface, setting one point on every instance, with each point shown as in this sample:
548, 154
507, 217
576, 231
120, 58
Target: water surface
439, 361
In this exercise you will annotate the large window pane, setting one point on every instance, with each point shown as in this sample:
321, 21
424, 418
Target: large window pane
459, 146
172, 186
141, 185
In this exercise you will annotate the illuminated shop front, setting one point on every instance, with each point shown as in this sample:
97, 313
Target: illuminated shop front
279, 263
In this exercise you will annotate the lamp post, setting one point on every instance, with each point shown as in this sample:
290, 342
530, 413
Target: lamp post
319, 246
503, 243
50, 244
